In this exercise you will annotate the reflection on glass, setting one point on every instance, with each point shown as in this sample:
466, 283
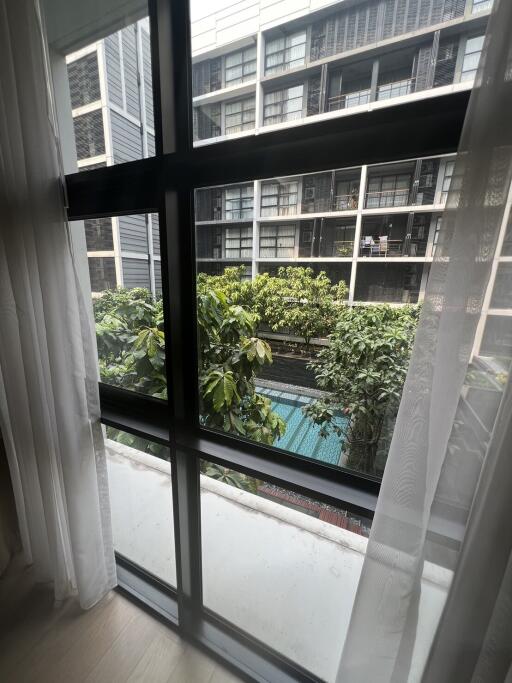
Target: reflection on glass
280, 566
112, 99
139, 478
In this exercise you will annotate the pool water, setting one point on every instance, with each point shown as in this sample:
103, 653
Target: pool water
302, 436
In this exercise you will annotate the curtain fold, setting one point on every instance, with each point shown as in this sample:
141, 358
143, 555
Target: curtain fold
451, 395
49, 404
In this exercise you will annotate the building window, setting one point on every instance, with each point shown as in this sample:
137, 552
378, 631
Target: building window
277, 241
207, 76
472, 54
388, 190
240, 66
89, 134
98, 234
207, 121
286, 52
239, 242
239, 202
279, 199
102, 271
283, 105
447, 179
240, 115
84, 80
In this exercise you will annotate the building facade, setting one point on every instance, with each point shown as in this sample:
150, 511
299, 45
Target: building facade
112, 105
259, 66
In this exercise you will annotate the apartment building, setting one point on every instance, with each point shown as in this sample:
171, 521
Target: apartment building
258, 67
112, 103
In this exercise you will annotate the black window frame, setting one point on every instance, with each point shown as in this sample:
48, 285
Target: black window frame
165, 185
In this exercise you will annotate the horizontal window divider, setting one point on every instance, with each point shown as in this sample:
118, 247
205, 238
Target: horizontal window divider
410, 130
140, 415
339, 488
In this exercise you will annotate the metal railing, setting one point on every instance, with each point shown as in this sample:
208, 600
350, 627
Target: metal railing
383, 247
349, 99
395, 89
386, 198
345, 202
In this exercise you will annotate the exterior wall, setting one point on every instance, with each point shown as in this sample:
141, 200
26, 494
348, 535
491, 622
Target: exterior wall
408, 221
110, 85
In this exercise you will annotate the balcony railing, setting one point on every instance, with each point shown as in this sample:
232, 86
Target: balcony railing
347, 100
384, 247
387, 198
395, 89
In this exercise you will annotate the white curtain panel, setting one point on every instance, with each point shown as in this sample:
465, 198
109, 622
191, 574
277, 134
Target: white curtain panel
446, 426
49, 406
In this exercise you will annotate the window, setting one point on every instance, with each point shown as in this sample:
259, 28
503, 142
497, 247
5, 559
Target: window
285, 52
279, 199
127, 306
240, 115
240, 66
89, 135
283, 105
268, 555
447, 179
207, 121
139, 481
472, 53
239, 202
277, 241
84, 80
388, 190
245, 403
239, 242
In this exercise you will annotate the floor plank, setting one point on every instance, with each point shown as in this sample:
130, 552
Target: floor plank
114, 642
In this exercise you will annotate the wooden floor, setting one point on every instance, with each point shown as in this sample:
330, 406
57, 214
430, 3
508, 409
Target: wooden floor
115, 642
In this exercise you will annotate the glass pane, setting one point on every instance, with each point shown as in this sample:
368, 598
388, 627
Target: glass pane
278, 50
123, 254
283, 309
110, 85
282, 567
139, 479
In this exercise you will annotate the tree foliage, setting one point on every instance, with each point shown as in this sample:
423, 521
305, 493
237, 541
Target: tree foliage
131, 350
364, 369
295, 301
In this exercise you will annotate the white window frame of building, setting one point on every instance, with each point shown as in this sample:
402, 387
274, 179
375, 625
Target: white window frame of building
285, 52
277, 241
240, 66
239, 115
472, 52
279, 198
239, 202
238, 242
285, 104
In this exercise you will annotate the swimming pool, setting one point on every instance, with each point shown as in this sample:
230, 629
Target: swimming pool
302, 436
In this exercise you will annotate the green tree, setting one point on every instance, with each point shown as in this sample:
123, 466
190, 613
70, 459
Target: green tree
364, 369
230, 354
299, 301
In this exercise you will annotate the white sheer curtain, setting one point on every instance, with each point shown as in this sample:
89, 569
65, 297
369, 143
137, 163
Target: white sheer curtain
446, 424
49, 407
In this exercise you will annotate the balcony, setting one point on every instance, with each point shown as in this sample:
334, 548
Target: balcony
285, 577
387, 198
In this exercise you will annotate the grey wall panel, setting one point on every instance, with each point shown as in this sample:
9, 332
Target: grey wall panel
113, 66
133, 233
148, 84
135, 273
126, 139
156, 234
151, 145
129, 43
158, 278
